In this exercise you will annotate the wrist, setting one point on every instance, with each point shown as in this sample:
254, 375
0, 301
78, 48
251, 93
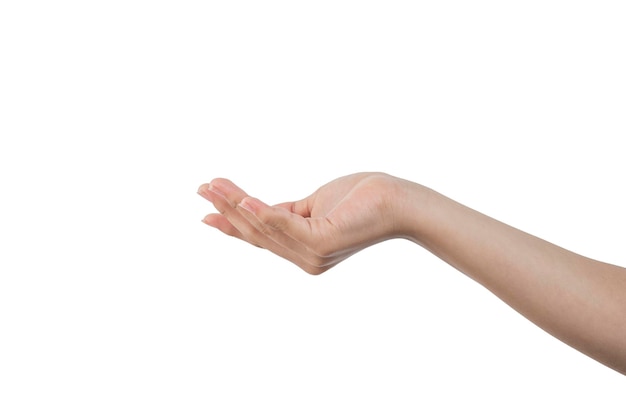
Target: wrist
410, 204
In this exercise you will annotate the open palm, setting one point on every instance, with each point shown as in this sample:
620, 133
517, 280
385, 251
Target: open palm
317, 232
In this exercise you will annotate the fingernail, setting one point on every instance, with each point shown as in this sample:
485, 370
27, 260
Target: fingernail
245, 204
204, 220
202, 188
216, 190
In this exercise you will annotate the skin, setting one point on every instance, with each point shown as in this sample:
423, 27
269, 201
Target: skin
579, 300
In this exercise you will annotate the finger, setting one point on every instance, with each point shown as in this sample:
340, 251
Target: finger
282, 239
307, 259
226, 189
318, 235
221, 223
203, 191
286, 247
301, 207
278, 217
225, 196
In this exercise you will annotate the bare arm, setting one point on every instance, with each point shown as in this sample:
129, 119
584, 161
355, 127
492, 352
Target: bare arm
578, 300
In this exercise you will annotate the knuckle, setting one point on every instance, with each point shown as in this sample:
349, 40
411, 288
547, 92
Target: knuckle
317, 260
323, 248
323, 252
264, 228
273, 221
314, 270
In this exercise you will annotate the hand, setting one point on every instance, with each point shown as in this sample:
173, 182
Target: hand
316, 233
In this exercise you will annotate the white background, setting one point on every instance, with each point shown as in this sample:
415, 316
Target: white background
116, 300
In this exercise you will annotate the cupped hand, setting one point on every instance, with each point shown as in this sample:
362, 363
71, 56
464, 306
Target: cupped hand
317, 232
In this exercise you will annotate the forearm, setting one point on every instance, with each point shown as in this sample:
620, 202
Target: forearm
579, 300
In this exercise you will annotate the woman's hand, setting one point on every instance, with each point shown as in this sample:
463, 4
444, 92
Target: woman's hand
339, 219
579, 300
